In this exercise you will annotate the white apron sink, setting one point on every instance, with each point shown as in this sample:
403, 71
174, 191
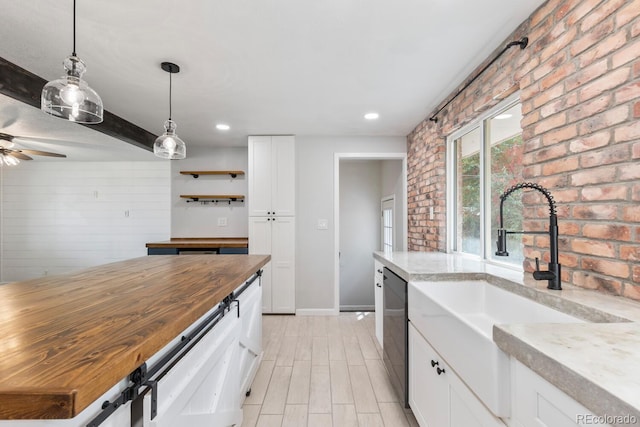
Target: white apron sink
457, 319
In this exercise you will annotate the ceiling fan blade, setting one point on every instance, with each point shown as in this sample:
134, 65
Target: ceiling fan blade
19, 155
42, 153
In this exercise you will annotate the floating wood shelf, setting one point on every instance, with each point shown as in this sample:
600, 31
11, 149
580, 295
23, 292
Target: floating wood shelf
196, 174
213, 197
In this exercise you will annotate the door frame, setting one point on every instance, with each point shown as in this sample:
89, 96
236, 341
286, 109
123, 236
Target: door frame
383, 200
337, 157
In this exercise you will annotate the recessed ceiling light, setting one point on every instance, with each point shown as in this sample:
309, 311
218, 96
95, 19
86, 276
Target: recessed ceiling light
503, 116
222, 126
371, 116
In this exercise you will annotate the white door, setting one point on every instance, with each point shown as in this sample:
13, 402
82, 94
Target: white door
260, 244
388, 232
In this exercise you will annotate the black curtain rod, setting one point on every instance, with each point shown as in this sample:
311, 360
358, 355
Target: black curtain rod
523, 42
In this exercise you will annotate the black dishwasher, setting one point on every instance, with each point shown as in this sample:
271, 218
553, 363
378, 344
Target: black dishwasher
395, 331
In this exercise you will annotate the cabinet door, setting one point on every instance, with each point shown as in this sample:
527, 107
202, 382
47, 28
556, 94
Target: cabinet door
260, 176
283, 292
251, 336
283, 175
378, 298
428, 391
260, 244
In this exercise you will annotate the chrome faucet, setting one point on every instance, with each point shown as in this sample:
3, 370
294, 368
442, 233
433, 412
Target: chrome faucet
552, 275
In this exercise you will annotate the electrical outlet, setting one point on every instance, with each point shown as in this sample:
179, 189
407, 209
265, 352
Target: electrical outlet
323, 224
222, 222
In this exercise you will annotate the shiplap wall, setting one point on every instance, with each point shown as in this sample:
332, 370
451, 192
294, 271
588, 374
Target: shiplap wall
57, 217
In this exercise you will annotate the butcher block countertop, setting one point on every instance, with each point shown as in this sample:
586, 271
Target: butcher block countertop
201, 242
65, 340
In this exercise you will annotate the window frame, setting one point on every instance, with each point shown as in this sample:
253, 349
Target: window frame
486, 243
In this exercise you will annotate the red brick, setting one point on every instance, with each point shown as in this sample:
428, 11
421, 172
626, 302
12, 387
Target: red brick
594, 194
605, 83
583, 8
586, 109
628, 92
600, 13
633, 291
628, 13
610, 268
562, 134
590, 281
530, 119
631, 214
586, 75
607, 119
549, 153
557, 75
607, 231
609, 155
635, 273
629, 172
549, 66
592, 37
627, 132
566, 195
541, 98
590, 142
602, 49
595, 212
636, 110
559, 166
630, 253
635, 193
601, 175
550, 123
593, 248
558, 105
568, 228
568, 260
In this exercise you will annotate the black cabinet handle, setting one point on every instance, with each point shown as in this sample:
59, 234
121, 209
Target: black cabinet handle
434, 363
379, 271
378, 285
440, 371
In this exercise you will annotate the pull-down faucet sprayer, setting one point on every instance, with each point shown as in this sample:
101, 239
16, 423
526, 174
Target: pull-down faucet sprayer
553, 274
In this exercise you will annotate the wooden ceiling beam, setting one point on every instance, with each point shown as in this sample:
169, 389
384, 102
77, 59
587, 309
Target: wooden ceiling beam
26, 87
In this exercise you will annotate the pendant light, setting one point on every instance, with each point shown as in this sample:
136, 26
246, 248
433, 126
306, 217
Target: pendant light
70, 97
168, 145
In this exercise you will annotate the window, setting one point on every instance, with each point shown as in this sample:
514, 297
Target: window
485, 158
387, 225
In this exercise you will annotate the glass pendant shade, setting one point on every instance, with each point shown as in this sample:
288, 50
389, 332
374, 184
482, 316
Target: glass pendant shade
6, 160
169, 145
70, 97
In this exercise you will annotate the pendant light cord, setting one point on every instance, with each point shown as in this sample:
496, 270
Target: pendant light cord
169, 95
74, 28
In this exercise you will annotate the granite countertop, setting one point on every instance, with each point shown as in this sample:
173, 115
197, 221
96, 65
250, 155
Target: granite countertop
594, 363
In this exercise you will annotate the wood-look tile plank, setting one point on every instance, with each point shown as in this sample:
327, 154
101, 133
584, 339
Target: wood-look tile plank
346, 324
393, 415
292, 327
370, 420
295, 416
303, 348
320, 390
319, 326
336, 348
363, 395
250, 414
320, 420
341, 392
380, 382
266, 420
276, 396
345, 416
352, 350
320, 351
287, 351
300, 381
368, 347
260, 383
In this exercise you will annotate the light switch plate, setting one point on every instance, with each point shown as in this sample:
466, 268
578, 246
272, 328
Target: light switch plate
222, 222
323, 224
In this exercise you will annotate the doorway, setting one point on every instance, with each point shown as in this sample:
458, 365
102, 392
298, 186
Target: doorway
361, 183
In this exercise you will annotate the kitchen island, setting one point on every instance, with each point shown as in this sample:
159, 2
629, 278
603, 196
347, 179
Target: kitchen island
191, 245
70, 342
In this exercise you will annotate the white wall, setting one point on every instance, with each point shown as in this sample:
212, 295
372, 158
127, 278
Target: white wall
201, 220
392, 184
62, 216
360, 194
315, 253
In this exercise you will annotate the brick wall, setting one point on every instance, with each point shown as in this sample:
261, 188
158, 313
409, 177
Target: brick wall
579, 83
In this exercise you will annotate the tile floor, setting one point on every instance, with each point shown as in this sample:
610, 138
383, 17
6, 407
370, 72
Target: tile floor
322, 371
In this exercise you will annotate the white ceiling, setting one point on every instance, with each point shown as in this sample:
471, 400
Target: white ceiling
262, 66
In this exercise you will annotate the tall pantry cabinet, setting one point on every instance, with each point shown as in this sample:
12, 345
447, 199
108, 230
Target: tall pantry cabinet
271, 204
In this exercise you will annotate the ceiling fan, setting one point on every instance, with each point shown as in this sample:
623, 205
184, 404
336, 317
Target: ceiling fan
10, 156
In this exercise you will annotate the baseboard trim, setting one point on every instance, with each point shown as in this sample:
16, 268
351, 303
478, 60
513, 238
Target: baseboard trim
352, 308
316, 312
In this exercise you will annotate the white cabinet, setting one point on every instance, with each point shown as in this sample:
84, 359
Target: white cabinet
537, 403
438, 397
271, 204
378, 283
271, 175
275, 236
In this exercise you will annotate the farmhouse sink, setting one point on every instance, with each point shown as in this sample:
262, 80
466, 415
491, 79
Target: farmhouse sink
457, 319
